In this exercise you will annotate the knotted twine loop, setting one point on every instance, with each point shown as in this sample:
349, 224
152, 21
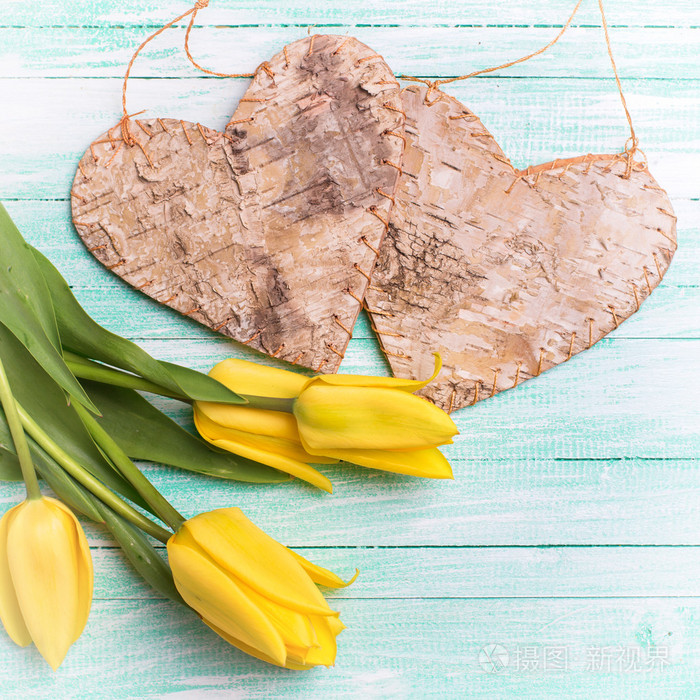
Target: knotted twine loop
125, 121
632, 143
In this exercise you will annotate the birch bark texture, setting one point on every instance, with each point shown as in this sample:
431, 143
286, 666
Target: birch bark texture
268, 231
507, 273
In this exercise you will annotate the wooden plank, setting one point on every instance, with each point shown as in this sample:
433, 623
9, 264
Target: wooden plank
317, 12
392, 648
458, 572
494, 501
533, 120
581, 53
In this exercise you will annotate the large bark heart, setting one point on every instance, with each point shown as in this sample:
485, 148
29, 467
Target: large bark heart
507, 273
266, 232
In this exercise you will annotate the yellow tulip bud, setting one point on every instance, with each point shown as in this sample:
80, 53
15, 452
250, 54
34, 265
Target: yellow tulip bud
256, 594
45, 577
258, 380
368, 418
374, 422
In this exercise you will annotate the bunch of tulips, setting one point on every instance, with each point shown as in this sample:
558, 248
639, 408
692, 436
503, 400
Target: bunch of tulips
73, 415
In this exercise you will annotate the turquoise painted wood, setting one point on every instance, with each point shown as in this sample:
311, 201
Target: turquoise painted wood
570, 537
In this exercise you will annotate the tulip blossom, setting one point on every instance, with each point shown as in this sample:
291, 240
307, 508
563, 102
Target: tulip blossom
293, 421
45, 577
255, 593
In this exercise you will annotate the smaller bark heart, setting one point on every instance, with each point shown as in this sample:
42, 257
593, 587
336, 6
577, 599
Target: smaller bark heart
507, 273
266, 232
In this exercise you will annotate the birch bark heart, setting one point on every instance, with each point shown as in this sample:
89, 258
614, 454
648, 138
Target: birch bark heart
507, 273
268, 231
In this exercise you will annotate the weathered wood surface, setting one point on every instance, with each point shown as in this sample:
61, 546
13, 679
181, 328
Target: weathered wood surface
507, 273
265, 232
96, 51
144, 13
493, 502
423, 648
599, 450
471, 572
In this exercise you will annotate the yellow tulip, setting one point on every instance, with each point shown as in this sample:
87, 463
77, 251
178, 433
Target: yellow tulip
365, 418
373, 422
255, 593
45, 577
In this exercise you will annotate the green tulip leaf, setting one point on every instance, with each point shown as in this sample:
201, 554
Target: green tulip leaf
9, 465
139, 551
26, 308
10, 469
144, 432
46, 403
83, 336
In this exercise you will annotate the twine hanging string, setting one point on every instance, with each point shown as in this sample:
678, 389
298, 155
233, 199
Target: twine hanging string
632, 144
125, 123
435, 84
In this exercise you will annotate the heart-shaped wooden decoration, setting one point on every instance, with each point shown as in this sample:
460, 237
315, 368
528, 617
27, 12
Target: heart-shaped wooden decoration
267, 232
507, 273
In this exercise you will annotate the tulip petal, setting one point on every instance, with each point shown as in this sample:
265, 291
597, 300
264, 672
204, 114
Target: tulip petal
257, 421
339, 417
324, 656
296, 655
336, 625
294, 627
321, 576
326, 652
410, 385
290, 466
85, 569
252, 651
219, 600
286, 447
249, 554
254, 379
10, 612
430, 464
43, 560
298, 667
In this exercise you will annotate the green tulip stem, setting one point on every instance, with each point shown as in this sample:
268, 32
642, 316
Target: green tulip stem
130, 471
268, 403
83, 368
96, 372
14, 422
95, 486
